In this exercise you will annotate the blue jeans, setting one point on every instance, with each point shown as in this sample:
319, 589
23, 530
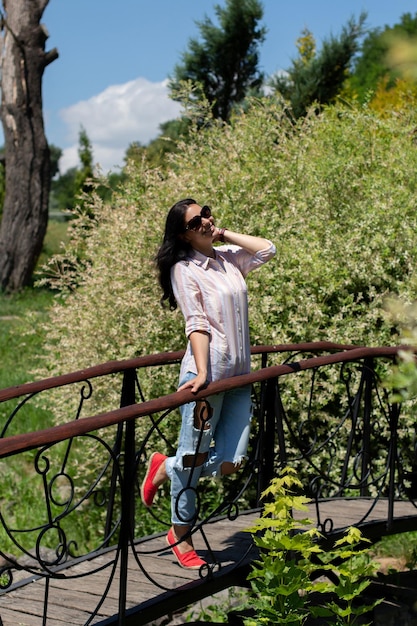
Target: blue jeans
224, 437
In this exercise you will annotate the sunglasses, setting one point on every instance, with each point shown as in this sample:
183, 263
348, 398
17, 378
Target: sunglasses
196, 221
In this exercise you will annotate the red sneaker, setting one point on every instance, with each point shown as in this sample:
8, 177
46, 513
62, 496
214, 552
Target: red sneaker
188, 560
148, 489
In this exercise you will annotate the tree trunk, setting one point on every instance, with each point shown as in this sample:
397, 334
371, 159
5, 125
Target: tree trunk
25, 209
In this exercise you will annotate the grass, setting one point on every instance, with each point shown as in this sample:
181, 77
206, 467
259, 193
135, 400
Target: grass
21, 342
401, 547
18, 349
25, 477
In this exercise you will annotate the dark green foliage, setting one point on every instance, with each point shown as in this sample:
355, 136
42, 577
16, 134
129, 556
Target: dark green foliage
371, 67
63, 191
225, 63
85, 153
156, 151
321, 78
67, 188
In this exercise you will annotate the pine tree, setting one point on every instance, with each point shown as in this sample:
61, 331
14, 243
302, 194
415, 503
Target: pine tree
224, 65
318, 77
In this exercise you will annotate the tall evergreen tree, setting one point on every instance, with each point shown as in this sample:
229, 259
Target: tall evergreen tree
85, 153
224, 65
67, 187
318, 77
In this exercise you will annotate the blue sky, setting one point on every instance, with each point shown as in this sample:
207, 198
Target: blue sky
115, 57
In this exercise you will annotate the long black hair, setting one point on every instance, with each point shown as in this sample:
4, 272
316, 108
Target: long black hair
173, 249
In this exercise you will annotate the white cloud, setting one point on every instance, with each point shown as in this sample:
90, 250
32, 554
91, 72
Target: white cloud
114, 118
69, 158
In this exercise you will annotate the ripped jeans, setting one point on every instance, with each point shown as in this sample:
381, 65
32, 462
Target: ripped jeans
224, 436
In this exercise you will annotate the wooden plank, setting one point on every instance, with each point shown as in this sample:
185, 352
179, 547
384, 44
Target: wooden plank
72, 600
345, 512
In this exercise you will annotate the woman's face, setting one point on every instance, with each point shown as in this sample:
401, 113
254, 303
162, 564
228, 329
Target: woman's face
198, 231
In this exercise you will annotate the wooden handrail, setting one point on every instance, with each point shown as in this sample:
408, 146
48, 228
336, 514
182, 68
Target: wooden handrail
151, 360
360, 422
28, 441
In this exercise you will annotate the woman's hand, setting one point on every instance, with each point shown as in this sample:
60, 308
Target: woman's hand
218, 234
248, 242
195, 384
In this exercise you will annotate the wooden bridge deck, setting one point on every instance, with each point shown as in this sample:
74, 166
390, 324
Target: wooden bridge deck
73, 600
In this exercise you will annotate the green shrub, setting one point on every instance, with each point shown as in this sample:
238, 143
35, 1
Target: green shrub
335, 193
286, 576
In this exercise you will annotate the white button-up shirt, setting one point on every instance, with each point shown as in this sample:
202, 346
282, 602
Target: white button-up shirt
212, 296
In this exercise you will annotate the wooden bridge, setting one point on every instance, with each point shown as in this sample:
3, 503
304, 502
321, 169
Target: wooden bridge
165, 588
353, 455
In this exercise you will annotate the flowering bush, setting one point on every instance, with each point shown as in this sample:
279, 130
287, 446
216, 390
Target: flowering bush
335, 193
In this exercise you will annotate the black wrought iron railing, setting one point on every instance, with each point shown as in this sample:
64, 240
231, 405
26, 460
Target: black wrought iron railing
322, 408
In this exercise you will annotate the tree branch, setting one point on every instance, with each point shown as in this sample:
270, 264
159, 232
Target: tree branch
50, 56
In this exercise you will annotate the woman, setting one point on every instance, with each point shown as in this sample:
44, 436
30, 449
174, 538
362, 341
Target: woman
208, 285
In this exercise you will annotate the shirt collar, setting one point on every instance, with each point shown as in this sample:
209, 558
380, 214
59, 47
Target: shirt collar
201, 259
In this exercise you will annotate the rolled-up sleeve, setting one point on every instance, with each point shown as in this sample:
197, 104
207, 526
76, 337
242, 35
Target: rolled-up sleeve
245, 261
188, 296
266, 254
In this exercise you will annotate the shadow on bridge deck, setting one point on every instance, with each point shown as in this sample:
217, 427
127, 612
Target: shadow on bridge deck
157, 586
